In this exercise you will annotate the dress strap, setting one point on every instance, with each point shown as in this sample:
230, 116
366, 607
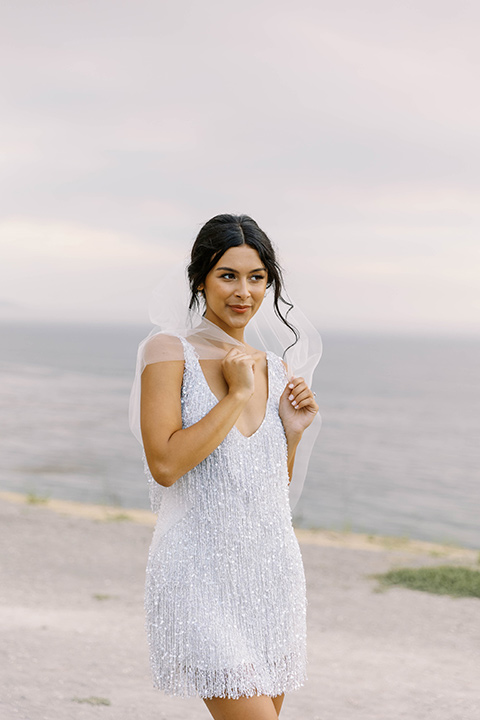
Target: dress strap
189, 352
277, 376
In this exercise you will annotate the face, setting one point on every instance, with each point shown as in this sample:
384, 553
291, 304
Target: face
234, 289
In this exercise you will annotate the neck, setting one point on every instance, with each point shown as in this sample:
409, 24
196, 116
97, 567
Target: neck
237, 334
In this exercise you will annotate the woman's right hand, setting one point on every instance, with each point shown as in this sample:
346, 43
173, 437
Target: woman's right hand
172, 449
238, 369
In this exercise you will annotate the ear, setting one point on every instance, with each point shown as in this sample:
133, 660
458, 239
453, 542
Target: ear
200, 287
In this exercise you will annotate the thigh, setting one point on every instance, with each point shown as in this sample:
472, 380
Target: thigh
278, 702
258, 707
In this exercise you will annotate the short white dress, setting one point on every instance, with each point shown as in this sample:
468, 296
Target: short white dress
225, 588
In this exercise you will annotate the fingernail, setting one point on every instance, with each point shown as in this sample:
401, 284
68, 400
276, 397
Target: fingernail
291, 386
294, 404
290, 397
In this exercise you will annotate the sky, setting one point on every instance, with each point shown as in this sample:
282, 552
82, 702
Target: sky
349, 131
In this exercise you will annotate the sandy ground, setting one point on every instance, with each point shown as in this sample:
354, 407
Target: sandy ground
73, 642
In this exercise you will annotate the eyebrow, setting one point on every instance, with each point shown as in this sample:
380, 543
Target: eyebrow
262, 269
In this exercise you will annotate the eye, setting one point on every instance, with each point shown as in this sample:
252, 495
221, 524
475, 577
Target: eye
258, 278
227, 275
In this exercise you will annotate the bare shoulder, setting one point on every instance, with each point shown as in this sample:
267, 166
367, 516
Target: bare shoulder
164, 363
163, 374
163, 348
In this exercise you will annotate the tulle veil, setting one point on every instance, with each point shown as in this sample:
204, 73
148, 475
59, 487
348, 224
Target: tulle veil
170, 316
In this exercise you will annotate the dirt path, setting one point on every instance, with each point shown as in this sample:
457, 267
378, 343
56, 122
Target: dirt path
71, 619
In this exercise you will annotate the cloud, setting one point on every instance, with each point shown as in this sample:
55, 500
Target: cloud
62, 271
348, 130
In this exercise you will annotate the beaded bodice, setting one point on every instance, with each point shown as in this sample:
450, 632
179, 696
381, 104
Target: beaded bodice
253, 468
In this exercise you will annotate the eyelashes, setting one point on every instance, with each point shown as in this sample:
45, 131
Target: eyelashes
231, 276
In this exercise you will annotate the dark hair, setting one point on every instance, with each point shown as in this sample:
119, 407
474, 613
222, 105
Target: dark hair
220, 234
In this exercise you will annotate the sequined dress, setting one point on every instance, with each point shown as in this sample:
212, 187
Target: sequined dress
225, 588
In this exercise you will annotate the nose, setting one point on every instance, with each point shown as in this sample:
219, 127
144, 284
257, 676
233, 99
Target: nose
241, 289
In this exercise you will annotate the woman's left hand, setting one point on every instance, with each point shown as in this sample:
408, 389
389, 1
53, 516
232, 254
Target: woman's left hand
297, 406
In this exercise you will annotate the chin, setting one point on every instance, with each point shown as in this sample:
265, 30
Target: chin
239, 319
236, 324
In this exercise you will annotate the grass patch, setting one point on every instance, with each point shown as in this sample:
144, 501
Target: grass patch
92, 700
118, 517
441, 580
34, 499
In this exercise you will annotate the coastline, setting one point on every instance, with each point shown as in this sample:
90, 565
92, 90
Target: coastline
320, 537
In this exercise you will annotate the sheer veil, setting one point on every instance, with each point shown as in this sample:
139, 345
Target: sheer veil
171, 318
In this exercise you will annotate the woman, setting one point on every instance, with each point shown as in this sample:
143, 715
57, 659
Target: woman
220, 425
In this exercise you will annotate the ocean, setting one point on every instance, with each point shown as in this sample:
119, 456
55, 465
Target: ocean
398, 453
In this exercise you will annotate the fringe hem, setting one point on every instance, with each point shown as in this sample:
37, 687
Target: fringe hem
234, 684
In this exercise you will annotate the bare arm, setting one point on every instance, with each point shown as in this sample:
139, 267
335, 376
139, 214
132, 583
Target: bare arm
292, 444
171, 450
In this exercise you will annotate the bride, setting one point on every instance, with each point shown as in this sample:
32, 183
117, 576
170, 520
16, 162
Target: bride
220, 423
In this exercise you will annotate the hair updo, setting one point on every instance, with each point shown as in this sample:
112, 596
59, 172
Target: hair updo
220, 234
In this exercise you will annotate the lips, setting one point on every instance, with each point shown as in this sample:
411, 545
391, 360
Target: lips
239, 308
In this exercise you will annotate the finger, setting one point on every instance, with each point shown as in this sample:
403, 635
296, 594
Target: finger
307, 404
298, 395
235, 352
295, 382
299, 388
243, 359
236, 355
237, 349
